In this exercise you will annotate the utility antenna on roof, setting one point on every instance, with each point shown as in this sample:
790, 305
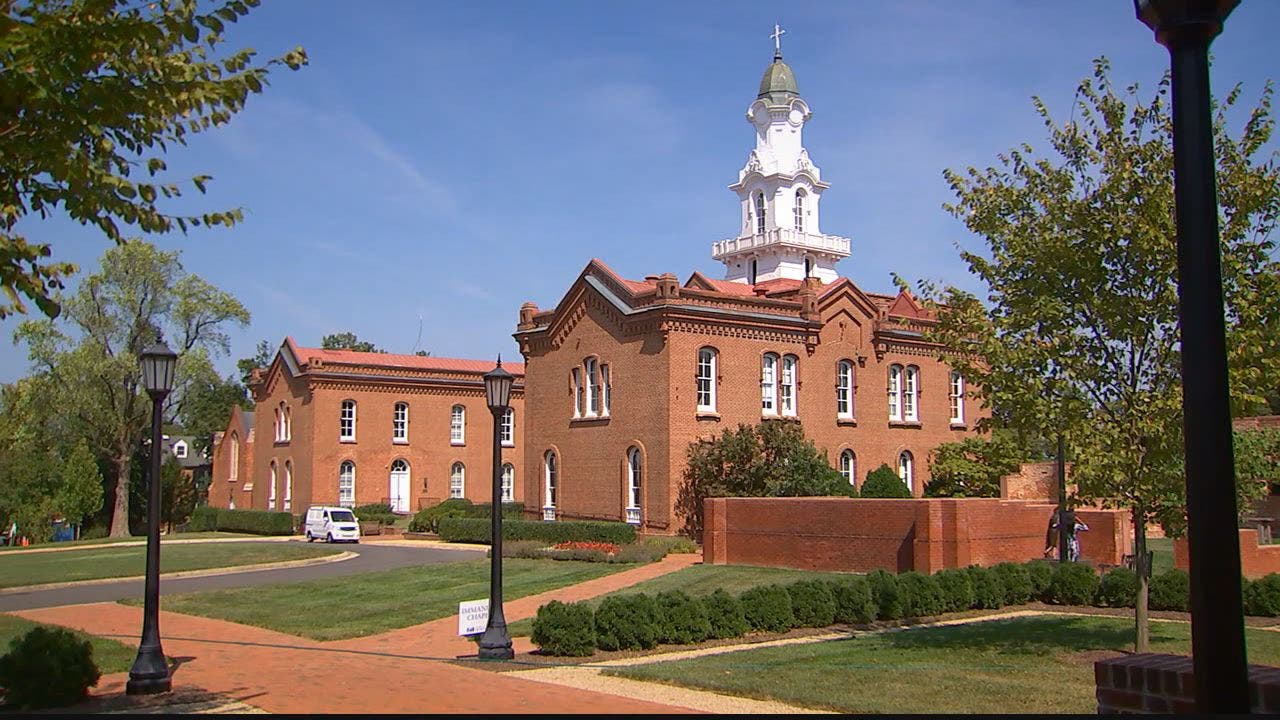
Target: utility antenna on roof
419, 340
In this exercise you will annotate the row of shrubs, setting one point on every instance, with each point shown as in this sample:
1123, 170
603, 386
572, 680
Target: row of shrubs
256, 522
642, 551
375, 512
623, 622
476, 530
428, 519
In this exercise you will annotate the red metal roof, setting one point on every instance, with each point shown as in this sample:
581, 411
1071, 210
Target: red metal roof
415, 362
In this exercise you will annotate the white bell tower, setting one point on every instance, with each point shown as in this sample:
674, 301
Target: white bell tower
780, 189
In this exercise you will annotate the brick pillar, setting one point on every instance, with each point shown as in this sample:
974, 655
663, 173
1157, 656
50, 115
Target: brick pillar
926, 548
1153, 683
714, 528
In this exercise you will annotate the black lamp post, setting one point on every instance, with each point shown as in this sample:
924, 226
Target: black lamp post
150, 671
495, 643
1186, 27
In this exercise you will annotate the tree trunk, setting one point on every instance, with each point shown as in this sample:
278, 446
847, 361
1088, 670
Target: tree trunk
120, 513
1142, 629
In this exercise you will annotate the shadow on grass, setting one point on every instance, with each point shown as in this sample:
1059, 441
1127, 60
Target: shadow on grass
1031, 636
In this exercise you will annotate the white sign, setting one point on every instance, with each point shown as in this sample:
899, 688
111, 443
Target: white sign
473, 617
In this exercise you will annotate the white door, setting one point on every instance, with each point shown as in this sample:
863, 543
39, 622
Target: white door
399, 486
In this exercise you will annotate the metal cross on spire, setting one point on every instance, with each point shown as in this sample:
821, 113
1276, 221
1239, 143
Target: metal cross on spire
777, 34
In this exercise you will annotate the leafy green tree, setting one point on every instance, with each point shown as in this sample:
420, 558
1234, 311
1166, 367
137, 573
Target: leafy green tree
177, 494
29, 467
772, 459
87, 361
348, 341
883, 482
262, 357
80, 493
973, 467
92, 95
1082, 332
1257, 456
207, 400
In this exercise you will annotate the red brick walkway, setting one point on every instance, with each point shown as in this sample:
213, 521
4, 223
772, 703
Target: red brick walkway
389, 673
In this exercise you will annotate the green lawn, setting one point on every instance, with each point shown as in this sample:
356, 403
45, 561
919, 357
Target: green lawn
371, 603
89, 564
703, 580
109, 655
131, 538
1024, 665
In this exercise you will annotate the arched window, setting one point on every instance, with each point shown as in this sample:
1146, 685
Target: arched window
347, 484
799, 211
278, 425
787, 397
508, 483
635, 471
849, 466
911, 394
400, 423
550, 476
760, 213
509, 427
271, 488
347, 423
606, 386
844, 390
398, 495
895, 392
578, 391
707, 379
457, 425
957, 398
755, 271
235, 457
282, 423
457, 480
591, 366
907, 469
769, 384
288, 485
288, 424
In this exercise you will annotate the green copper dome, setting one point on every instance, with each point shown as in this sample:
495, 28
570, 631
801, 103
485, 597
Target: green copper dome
778, 86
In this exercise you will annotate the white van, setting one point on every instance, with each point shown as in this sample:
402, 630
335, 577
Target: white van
331, 524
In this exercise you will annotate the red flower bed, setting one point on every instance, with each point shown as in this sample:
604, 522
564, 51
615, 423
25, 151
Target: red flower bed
604, 547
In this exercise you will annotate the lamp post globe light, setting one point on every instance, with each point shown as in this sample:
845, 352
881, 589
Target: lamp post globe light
150, 671
495, 643
1185, 28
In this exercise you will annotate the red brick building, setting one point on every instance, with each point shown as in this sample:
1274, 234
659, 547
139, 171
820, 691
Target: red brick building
339, 427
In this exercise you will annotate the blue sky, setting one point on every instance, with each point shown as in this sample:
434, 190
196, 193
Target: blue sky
449, 161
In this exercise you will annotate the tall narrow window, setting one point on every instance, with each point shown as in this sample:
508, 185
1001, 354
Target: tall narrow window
457, 425
550, 471
707, 379
578, 391
957, 398
271, 489
457, 480
607, 388
760, 213
754, 271
907, 469
849, 466
347, 484
593, 386
400, 423
288, 485
509, 427
808, 267
235, 457
799, 210
769, 384
278, 425
788, 387
895, 392
508, 483
910, 394
844, 390
347, 422
282, 420
635, 470
288, 424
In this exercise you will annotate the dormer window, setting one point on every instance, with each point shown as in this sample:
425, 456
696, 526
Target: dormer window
180, 449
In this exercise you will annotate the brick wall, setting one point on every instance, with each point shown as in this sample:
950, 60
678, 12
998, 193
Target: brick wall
1152, 683
863, 534
1034, 481
1255, 560
1256, 423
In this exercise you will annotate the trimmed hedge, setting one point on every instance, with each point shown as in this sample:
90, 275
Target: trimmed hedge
854, 604
1262, 596
724, 613
681, 619
957, 590
812, 603
476, 530
47, 667
886, 594
626, 622
375, 512
1119, 588
428, 519
1039, 572
1072, 584
923, 595
255, 522
1016, 582
1171, 590
883, 482
561, 629
768, 608
989, 591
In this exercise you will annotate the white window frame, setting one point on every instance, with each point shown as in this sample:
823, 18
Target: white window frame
907, 469
288, 424
235, 457
635, 479
288, 485
844, 390
347, 495
895, 393
347, 422
278, 427
508, 482
578, 391
180, 449
400, 422
590, 368
789, 385
458, 480
957, 398
550, 479
408, 470
761, 212
799, 210
271, 488
458, 425
849, 466
769, 384
509, 427
911, 394
606, 389
705, 385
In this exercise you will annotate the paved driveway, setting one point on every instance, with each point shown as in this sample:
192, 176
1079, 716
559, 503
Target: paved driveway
372, 557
